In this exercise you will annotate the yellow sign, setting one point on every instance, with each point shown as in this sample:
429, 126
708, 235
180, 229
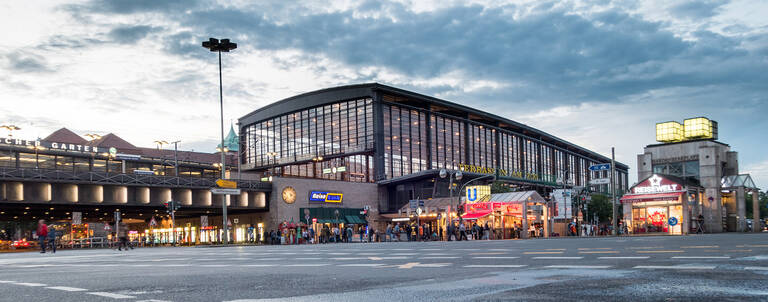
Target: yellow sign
502, 172
690, 129
477, 193
226, 184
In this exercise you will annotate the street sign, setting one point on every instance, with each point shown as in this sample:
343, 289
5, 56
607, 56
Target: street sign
77, 218
229, 223
418, 211
421, 202
152, 222
414, 204
672, 221
600, 167
600, 181
107, 227
204, 221
236, 220
218, 191
226, 184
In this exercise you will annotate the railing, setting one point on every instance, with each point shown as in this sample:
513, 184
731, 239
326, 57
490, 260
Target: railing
32, 174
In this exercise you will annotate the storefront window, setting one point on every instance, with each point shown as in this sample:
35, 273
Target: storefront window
27, 160
46, 161
7, 159
99, 165
82, 164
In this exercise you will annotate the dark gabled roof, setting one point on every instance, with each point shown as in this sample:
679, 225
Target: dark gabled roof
349, 92
65, 135
112, 140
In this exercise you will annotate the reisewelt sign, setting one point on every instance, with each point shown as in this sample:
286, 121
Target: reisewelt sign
323, 196
656, 184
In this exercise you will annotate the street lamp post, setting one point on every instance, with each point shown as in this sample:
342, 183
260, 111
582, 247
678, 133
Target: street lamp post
452, 175
10, 128
224, 45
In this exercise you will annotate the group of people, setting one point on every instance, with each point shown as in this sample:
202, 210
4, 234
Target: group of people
47, 236
326, 234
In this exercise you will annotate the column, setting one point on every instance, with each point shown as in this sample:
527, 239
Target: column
756, 226
545, 209
525, 220
685, 224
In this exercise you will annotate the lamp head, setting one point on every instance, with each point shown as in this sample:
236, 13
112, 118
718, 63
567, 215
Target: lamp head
443, 173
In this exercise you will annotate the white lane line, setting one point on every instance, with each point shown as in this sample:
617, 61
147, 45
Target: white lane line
111, 295
153, 300
307, 265
309, 258
348, 258
496, 266
673, 267
580, 266
30, 284
339, 253
388, 258
438, 254
440, 257
558, 258
214, 265
259, 265
269, 259
67, 289
624, 257
7, 281
496, 257
362, 264
756, 268
404, 254
701, 257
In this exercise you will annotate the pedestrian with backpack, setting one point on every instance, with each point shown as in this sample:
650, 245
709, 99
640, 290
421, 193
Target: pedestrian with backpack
42, 234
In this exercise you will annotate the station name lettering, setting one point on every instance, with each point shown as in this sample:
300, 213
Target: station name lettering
502, 172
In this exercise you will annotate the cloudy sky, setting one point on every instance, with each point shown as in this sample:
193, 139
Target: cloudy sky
598, 74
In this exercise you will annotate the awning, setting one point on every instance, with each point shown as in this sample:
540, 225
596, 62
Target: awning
472, 216
352, 219
673, 196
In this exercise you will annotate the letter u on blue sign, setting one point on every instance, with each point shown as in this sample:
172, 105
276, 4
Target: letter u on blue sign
469, 194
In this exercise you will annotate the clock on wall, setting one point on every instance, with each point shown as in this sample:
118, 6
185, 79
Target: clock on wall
289, 195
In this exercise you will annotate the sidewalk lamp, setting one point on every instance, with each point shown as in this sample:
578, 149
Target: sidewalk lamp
224, 45
10, 128
452, 175
93, 136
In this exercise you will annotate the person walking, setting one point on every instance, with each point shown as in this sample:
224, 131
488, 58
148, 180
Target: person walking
52, 239
700, 224
462, 231
362, 233
122, 235
42, 234
397, 232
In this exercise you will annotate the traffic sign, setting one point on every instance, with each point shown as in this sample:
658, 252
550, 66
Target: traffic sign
672, 221
414, 203
152, 222
418, 211
107, 227
600, 167
600, 181
219, 191
77, 218
226, 184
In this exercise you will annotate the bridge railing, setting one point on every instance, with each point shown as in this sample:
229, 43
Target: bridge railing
34, 174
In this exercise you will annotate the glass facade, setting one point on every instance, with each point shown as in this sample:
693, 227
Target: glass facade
333, 141
315, 142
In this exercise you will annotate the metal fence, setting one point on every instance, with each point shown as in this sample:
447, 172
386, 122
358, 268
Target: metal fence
105, 178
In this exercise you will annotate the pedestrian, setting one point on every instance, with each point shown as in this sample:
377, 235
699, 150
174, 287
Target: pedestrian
396, 233
311, 235
462, 231
389, 232
362, 233
52, 239
700, 223
42, 234
349, 233
122, 235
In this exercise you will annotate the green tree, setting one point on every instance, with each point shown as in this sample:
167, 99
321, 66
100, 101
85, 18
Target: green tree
600, 204
499, 187
762, 201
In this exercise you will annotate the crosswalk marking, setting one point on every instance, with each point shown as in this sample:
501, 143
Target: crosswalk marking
701, 257
111, 295
30, 284
657, 252
439, 257
674, 267
598, 252
580, 266
756, 268
307, 264
362, 264
68, 289
495, 265
495, 257
700, 247
7, 281
624, 257
536, 253
557, 258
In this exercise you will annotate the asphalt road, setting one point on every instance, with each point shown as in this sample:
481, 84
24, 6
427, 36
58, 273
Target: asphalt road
720, 267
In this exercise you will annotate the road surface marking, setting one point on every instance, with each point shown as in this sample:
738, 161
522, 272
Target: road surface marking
310, 258
599, 252
554, 249
408, 265
387, 258
700, 247
625, 257
348, 258
701, 257
214, 265
536, 253
438, 254
30, 284
418, 264
259, 265
756, 268
739, 251
558, 258
496, 257
494, 253
269, 259
338, 253
757, 245
404, 254
435, 264
594, 248
656, 252
580, 266
362, 264
441, 257
673, 267
645, 247
402, 249
430, 249
153, 300
307, 264
111, 295
67, 289
7, 281
496, 266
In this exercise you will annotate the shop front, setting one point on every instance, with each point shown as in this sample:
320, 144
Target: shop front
325, 220
505, 214
658, 205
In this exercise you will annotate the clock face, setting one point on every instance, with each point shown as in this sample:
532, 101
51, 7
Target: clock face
289, 195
